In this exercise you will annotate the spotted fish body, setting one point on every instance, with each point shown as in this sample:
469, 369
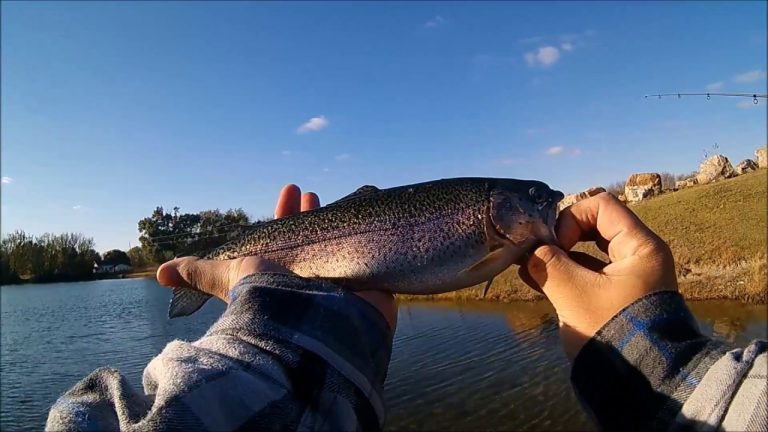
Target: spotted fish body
425, 238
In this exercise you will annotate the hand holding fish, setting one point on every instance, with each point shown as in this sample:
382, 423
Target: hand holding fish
585, 291
217, 277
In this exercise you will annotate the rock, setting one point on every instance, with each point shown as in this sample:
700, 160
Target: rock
622, 198
715, 168
762, 157
641, 186
745, 166
686, 183
572, 199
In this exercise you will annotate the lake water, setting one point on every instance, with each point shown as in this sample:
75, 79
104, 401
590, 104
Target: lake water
454, 366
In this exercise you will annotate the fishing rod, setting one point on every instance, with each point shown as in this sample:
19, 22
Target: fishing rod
754, 96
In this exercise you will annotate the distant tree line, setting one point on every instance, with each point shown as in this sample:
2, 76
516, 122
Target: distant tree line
46, 258
163, 236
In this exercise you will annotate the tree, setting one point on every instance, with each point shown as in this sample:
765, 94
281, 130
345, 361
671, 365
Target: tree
137, 257
116, 257
7, 274
165, 235
49, 257
616, 188
155, 230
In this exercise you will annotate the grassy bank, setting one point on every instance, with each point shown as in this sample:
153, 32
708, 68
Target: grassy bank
142, 273
717, 233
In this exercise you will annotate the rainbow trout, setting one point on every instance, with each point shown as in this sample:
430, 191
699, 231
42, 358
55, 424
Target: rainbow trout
425, 238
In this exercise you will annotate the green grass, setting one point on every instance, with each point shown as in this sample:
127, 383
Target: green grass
717, 232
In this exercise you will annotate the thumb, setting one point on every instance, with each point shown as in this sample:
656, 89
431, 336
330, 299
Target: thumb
557, 275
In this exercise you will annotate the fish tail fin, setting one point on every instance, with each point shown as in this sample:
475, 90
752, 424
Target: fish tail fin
186, 301
487, 286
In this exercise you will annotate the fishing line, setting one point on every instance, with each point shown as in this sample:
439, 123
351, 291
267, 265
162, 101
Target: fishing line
201, 231
190, 240
754, 96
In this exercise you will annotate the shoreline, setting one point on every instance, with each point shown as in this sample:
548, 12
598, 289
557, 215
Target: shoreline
698, 286
144, 273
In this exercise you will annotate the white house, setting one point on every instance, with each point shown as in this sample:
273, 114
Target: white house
110, 268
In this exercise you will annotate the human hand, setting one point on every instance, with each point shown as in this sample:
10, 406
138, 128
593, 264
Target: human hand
219, 277
585, 291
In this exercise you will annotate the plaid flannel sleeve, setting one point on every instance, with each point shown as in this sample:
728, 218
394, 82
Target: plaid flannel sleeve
288, 353
650, 368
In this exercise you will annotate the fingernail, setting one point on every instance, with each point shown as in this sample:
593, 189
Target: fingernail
168, 275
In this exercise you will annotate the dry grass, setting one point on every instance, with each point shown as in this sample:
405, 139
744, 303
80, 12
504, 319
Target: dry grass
718, 234
142, 273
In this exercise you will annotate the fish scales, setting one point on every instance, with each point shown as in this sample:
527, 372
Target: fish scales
418, 239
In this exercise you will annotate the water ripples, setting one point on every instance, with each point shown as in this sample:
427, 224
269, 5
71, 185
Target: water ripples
454, 366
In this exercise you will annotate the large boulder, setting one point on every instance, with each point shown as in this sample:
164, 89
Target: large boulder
715, 168
761, 155
745, 166
572, 199
691, 181
681, 184
641, 186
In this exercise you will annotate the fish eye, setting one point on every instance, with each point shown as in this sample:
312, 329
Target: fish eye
538, 195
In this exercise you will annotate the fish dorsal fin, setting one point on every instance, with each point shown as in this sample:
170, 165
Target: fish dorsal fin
361, 191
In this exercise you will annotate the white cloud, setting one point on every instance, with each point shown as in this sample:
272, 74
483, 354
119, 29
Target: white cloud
560, 150
747, 104
343, 157
434, 22
566, 46
530, 40
576, 37
749, 77
715, 85
533, 131
286, 153
7, 180
77, 207
313, 125
326, 170
545, 56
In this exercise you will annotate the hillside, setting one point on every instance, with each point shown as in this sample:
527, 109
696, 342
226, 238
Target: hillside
717, 232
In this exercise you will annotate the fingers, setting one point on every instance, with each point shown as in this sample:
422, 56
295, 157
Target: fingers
586, 260
212, 277
289, 201
309, 201
384, 302
552, 271
605, 220
292, 201
208, 276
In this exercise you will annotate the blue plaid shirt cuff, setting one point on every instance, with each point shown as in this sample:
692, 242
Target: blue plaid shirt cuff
641, 366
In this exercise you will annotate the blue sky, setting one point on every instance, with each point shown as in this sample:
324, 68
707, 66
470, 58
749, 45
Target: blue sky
110, 109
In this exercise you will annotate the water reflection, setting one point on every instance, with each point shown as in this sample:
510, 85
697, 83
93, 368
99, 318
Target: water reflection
455, 366
479, 366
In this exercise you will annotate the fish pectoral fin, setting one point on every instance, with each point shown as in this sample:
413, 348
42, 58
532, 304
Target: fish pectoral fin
186, 301
487, 286
361, 191
488, 267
